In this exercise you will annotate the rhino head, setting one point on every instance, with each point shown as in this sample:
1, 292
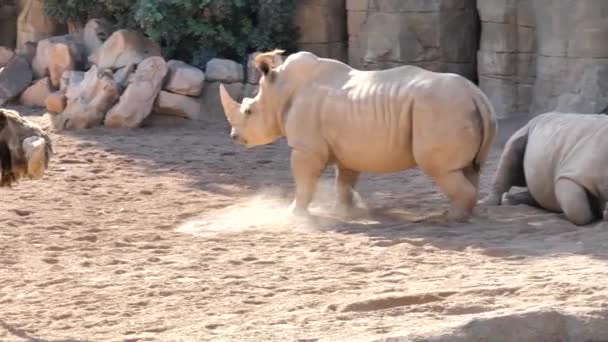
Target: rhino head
25, 149
256, 121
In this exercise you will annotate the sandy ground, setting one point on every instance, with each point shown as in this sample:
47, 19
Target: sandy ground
175, 234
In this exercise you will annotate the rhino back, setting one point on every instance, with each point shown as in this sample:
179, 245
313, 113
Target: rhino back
566, 145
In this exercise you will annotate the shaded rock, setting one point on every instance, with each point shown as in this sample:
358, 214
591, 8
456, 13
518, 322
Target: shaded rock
36, 94
184, 79
56, 55
138, 99
253, 74
178, 105
89, 100
15, 77
6, 55
56, 102
122, 75
211, 98
33, 25
95, 33
70, 78
224, 70
8, 25
122, 48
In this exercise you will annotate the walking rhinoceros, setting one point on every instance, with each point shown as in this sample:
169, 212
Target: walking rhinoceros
25, 149
367, 121
561, 158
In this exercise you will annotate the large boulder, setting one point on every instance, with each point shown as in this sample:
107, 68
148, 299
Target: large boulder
33, 25
122, 48
89, 100
70, 78
439, 35
36, 94
138, 99
224, 70
56, 55
178, 105
184, 79
15, 77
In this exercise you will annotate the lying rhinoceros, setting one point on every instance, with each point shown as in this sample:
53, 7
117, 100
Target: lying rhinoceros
561, 159
367, 121
25, 149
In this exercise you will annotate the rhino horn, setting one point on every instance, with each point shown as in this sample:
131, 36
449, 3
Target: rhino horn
35, 154
231, 107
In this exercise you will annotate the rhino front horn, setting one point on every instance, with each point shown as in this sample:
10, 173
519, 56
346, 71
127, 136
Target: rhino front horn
231, 107
35, 154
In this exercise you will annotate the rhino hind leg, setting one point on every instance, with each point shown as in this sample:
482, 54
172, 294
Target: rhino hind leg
461, 193
510, 169
306, 169
576, 203
345, 184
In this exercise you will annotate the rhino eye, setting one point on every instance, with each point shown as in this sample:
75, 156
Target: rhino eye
247, 111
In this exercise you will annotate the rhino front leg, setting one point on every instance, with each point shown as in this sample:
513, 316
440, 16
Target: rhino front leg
345, 183
510, 169
306, 169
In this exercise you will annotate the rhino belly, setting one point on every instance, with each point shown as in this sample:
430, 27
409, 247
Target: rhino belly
374, 157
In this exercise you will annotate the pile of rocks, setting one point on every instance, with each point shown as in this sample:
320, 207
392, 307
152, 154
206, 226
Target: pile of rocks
118, 79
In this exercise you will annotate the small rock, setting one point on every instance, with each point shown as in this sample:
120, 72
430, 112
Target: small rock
55, 103
22, 212
36, 94
224, 70
184, 79
178, 105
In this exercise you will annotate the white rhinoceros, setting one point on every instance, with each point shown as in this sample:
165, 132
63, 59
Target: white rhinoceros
560, 158
367, 121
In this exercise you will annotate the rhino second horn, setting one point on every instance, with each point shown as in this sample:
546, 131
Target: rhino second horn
231, 107
35, 154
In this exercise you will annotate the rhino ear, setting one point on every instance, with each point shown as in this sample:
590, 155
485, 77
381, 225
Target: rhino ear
266, 61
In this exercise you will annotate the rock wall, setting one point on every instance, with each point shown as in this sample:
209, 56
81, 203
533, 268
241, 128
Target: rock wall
322, 26
541, 55
440, 35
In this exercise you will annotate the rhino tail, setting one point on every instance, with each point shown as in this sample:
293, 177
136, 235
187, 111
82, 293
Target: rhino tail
489, 126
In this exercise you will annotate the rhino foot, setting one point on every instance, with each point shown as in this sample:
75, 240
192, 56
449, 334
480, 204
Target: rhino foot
491, 199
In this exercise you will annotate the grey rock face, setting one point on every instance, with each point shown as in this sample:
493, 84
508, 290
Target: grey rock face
439, 35
543, 55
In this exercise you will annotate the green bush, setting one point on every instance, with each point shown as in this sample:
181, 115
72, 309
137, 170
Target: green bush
195, 30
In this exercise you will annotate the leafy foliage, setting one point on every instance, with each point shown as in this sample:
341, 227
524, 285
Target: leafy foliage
195, 30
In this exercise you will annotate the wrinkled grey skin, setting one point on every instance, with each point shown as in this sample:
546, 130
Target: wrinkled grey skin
25, 149
562, 159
